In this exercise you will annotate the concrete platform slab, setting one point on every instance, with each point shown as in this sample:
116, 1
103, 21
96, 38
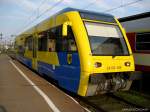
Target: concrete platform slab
17, 95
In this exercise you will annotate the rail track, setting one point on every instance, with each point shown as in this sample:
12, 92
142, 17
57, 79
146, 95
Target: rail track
125, 101
90, 105
109, 103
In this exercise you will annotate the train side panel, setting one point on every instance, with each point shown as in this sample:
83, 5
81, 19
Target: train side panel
137, 27
64, 67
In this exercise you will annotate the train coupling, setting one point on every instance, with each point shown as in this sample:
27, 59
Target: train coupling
109, 82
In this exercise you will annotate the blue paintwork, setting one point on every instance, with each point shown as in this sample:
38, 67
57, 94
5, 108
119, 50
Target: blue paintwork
24, 60
67, 75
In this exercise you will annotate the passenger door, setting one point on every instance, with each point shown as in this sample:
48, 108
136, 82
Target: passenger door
69, 69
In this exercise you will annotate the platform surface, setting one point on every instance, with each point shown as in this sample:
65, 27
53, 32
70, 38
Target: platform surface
18, 95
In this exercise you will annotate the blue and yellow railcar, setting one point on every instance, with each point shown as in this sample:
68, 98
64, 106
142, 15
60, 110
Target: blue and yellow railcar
85, 52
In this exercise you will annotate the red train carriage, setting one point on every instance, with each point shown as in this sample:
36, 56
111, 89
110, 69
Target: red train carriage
138, 33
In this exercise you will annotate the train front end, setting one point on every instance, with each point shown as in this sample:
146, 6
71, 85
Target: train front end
107, 64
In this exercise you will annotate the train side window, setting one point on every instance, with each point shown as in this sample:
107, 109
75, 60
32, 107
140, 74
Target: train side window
21, 50
51, 45
42, 42
61, 43
72, 45
65, 44
71, 41
51, 40
58, 31
29, 43
143, 41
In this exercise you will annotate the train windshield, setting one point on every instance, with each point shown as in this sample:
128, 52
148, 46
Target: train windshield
106, 39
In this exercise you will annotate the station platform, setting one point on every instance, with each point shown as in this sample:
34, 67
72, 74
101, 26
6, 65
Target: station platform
22, 90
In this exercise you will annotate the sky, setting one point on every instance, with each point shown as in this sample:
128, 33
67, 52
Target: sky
18, 15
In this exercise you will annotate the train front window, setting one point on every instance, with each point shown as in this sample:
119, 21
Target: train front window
106, 39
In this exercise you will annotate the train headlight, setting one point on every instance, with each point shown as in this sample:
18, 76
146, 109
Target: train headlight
127, 64
98, 64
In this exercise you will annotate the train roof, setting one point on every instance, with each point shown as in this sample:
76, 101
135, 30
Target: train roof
135, 17
85, 14
84, 11
136, 23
